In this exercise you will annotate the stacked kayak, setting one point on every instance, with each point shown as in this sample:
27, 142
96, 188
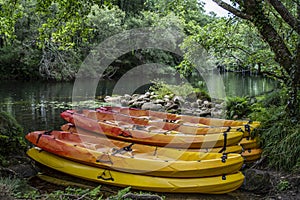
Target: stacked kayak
193, 125
158, 152
149, 135
210, 185
135, 158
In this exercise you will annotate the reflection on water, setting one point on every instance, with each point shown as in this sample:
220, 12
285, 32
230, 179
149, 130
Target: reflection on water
37, 105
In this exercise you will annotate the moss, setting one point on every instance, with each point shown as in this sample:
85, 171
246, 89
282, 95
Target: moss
11, 138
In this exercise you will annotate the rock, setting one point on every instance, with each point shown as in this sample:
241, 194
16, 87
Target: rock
199, 102
127, 97
172, 107
218, 106
124, 102
257, 181
205, 102
153, 96
194, 105
159, 101
217, 114
166, 97
142, 97
152, 106
131, 102
146, 99
138, 104
24, 170
178, 99
114, 100
205, 114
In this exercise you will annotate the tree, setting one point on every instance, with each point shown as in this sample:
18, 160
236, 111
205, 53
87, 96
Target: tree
278, 23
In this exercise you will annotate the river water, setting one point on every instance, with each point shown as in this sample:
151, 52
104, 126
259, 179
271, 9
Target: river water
37, 105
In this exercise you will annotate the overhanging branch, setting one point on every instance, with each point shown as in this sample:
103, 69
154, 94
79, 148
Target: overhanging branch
233, 10
285, 14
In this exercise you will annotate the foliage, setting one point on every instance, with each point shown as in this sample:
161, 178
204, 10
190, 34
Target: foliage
68, 193
236, 45
280, 136
11, 11
9, 187
11, 138
185, 90
283, 185
238, 107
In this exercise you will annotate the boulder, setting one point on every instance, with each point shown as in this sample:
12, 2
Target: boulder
257, 181
127, 97
152, 106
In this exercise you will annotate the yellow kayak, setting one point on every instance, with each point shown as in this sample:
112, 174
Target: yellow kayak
138, 159
210, 185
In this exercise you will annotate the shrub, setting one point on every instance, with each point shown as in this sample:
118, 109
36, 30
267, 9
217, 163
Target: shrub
238, 107
11, 137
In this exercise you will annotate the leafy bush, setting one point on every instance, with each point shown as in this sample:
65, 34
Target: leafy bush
238, 107
280, 136
10, 138
185, 90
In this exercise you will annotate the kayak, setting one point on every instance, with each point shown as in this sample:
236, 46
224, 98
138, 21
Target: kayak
183, 118
145, 134
88, 136
183, 127
252, 155
209, 185
248, 143
137, 159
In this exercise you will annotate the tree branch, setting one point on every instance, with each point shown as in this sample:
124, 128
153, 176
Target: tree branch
233, 10
285, 14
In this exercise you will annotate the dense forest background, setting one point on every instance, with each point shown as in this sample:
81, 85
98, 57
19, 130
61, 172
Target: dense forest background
48, 40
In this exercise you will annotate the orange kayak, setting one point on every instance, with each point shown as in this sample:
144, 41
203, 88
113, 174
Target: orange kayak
134, 158
187, 128
248, 143
89, 136
252, 155
175, 117
151, 135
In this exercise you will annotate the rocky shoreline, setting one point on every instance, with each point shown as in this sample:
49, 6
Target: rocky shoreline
189, 105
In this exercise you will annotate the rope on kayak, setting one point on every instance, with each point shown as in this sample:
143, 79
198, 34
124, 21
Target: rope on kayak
124, 149
247, 128
228, 129
38, 138
102, 176
155, 151
224, 156
40, 135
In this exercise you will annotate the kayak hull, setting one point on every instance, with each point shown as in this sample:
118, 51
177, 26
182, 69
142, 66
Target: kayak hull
208, 185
